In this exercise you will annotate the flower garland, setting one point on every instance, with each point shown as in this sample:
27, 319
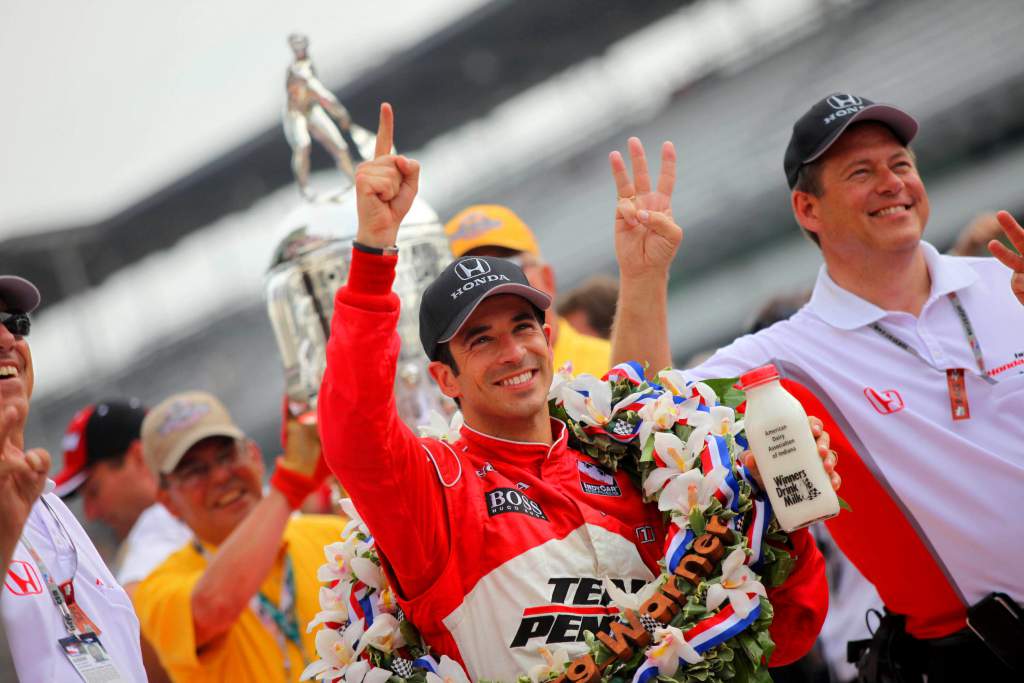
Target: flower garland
704, 619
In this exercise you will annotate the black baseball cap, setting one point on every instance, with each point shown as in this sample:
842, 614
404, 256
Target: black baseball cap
821, 126
20, 295
97, 432
451, 298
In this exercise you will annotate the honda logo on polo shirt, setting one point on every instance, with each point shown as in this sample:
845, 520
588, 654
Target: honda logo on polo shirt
22, 579
470, 268
842, 101
885, 402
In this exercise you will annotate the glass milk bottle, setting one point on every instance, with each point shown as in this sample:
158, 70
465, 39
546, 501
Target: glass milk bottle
787, 456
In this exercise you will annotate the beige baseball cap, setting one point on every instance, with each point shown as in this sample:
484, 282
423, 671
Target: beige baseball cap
180, 422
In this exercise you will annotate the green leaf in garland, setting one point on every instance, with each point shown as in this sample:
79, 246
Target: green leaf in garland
750, 646
728, 394
697, 521
647, 454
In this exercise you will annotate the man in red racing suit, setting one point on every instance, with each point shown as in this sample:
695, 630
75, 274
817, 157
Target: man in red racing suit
498, 543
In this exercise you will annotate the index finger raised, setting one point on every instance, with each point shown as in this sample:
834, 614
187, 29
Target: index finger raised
385, 131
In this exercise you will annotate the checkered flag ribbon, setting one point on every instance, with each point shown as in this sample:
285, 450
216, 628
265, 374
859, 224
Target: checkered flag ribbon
650, 624
402, 667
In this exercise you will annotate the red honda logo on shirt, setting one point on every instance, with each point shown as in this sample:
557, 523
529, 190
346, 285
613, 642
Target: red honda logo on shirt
22, 579
885, 402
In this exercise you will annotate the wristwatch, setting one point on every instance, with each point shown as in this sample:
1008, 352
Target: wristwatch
386, 251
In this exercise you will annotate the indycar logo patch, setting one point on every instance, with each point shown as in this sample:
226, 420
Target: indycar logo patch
500, 501
596, 481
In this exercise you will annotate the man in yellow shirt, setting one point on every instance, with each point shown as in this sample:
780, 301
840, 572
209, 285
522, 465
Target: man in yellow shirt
234, 603
493, 230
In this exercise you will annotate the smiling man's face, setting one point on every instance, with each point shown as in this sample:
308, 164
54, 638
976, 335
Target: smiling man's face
16, 374
214, 486
873, 199
503, 354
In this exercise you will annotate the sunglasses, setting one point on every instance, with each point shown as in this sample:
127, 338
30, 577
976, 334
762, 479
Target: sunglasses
17, 324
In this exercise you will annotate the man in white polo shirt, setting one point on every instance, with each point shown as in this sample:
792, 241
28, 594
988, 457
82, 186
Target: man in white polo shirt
64, 614
920, 359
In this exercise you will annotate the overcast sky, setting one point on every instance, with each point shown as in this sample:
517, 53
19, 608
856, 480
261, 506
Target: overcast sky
103, 102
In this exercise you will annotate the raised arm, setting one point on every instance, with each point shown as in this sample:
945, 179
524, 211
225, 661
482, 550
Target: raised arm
646, 241
383, 466
1013, 261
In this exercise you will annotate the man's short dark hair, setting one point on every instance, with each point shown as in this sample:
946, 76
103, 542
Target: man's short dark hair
809, 180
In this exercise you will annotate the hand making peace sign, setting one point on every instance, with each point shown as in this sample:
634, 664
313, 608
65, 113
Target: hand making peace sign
385, 187
646, 234
1014, 262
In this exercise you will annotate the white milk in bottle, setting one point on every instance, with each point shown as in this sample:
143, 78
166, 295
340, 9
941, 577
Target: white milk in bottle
786, 454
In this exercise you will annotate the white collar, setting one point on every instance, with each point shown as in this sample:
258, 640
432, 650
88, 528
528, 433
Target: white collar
847, 311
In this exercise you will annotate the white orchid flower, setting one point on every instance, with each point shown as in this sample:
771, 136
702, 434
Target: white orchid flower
625, 601
677, 458
737, 580
333, 606
367, 571
355, 523
438, 428
671, 646
383, 634
554, 664
675, 381
448, 671
561, 383
339, 558
363, 672
720, 421
336, 651
596, 408
688, 491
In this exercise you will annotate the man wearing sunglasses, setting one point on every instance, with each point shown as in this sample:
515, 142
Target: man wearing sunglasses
58, 596
234, 603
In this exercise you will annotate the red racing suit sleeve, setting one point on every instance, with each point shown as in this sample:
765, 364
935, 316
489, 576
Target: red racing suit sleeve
385, 468
800, 603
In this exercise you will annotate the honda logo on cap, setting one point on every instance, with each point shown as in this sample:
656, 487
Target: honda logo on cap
469, 268
842, 101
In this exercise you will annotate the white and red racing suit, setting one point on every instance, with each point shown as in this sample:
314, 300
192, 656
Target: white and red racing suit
497, 547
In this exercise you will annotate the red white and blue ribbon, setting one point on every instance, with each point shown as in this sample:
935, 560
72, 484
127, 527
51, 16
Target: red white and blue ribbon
757, 528
707, 634
364, 605
631, 371
716, 455
427, 663
676, 544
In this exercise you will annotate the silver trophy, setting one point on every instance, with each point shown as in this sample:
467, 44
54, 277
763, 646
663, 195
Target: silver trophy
312, 111
309, 265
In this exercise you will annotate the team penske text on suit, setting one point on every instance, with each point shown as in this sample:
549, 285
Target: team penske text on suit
496, 547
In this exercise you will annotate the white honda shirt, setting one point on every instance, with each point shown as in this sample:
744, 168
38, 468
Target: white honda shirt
31, 620
961, 480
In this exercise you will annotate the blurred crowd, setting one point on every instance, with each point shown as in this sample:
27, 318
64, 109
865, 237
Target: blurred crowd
215, 576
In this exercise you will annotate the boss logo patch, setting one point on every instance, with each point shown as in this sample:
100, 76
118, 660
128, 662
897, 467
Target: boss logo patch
500, 501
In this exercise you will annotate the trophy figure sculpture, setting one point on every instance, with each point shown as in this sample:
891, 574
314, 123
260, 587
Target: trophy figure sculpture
313, 109
309, 265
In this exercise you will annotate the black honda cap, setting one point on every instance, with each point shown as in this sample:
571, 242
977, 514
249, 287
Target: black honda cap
821, 126
450, 299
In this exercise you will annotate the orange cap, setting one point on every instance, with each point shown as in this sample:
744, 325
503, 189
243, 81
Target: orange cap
489, 225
